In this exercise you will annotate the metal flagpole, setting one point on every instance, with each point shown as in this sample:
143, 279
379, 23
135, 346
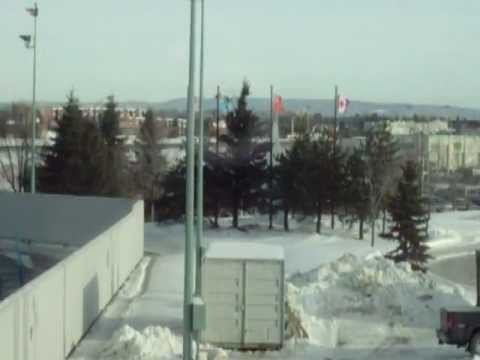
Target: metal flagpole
189, 203
270, 215
334, 150
217, 149
218, 121
34, 104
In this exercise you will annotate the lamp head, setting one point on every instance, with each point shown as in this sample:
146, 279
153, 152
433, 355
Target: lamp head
27, 40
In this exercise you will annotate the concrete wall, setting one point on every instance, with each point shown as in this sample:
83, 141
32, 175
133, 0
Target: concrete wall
46, 318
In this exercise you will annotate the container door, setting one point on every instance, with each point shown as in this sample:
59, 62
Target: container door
263, 303
222, 292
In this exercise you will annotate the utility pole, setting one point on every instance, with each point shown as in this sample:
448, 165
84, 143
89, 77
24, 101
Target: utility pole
189, 203
270, 215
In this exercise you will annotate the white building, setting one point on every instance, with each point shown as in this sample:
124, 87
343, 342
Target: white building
452, 152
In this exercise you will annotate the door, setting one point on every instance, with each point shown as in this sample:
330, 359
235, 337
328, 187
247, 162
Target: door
223, 294
263, 303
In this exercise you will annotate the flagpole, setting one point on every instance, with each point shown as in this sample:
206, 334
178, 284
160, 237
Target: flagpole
334, 150
218, 121
217, 149
270, 215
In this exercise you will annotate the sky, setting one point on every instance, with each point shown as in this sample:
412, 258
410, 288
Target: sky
374, 50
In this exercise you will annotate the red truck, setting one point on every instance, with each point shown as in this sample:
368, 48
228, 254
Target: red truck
461, 327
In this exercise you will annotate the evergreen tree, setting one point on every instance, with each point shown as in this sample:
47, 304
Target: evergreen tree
409, 212
109, 122
290, 174
356, 188
150, 164
380, 150
317, 182
74, 164
116, 165
244, 160
172, 201
335, 178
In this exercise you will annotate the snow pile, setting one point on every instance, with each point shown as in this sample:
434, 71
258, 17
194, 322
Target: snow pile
372, 288
134, 283
154, 342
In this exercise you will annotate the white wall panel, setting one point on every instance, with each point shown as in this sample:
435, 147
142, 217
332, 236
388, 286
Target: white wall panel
46, 318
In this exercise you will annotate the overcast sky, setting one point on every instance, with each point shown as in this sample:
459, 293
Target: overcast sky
377, 50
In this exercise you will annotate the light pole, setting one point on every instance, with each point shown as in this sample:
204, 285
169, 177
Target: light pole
198, 282
29, 44
189, 203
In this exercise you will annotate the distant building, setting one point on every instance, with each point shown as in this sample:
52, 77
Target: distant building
410, 127
452, 152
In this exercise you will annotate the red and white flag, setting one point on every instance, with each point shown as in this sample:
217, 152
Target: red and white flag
342, 104
277, 104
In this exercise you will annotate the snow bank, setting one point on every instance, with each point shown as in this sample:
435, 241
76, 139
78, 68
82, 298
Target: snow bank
153, 342
372, 292
134, 283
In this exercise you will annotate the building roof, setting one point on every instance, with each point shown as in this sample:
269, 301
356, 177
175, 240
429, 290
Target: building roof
244, 251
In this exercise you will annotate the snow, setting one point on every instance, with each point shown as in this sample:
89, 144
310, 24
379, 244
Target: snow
133, 286
154, 342
458, 226
354, 303
352, 291
242, 250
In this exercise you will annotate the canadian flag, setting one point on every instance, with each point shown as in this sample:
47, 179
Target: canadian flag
342, 104
277, 104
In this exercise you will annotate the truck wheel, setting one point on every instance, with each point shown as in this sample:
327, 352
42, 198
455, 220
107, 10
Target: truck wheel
475, 344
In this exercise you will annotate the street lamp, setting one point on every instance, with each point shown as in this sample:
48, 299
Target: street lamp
189, 203
198, 280
32, 44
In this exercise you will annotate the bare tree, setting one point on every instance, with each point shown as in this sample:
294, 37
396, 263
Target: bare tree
15, 148
151, 164
381, 164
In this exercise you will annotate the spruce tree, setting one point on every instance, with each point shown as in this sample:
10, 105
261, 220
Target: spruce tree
409, 212
244, 160
150, 163
335, 178
317, 182
356, 188
290, 173
109, 122
74, 164
116, 165
172, 201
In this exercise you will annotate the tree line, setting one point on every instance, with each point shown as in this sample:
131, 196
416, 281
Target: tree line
314, 178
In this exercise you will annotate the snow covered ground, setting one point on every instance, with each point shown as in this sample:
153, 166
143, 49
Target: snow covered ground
353, 303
